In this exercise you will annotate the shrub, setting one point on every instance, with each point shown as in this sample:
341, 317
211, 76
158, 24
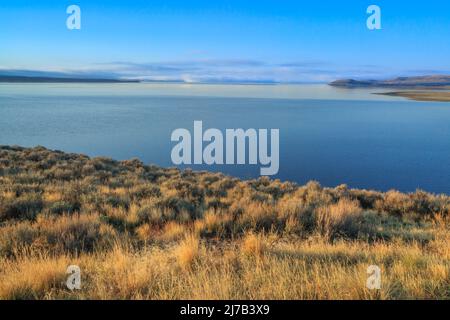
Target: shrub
118, 201
145, 191
150, 214
395, 203
61, 207
339, 218
14, 238
25, 207
214, 224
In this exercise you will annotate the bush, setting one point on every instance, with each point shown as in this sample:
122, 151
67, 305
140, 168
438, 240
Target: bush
61, 207
25, 207
339, 218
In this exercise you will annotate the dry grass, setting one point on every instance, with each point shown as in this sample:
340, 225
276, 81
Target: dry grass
32, 278
172, 231
253, 245
142, 232
337, 217
290, 270
187, 251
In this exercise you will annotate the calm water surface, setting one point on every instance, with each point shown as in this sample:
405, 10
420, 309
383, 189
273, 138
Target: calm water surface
330, 135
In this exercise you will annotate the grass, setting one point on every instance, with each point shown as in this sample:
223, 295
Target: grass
144, 232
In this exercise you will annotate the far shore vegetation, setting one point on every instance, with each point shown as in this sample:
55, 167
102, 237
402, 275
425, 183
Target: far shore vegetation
145, 232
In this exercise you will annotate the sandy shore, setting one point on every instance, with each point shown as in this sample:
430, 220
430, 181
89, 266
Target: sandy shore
442, 96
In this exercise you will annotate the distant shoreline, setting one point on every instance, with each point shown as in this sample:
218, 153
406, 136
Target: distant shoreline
26, 79
32, 79
425, 82
423, 88
429, 95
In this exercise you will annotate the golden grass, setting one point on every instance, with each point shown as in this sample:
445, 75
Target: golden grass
309, 269
332, 218
172, 231
141, 232
187, 251
253, 245
32, 278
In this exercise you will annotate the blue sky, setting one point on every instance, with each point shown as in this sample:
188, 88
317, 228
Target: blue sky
218, 40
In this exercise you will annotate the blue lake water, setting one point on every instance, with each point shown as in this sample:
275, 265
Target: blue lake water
330, 135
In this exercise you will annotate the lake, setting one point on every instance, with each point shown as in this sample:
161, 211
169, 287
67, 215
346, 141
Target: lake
327, 134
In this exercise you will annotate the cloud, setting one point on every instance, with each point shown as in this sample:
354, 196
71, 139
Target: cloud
223, 70
216, 70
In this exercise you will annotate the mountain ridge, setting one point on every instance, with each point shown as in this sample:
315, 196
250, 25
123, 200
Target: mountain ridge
433, 81
31, 79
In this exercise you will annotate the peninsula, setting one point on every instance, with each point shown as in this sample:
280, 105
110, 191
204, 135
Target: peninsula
423, 88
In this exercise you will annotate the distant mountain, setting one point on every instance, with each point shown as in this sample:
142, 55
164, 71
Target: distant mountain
400, 82
27, 79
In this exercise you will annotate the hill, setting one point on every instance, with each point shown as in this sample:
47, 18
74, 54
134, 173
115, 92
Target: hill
144, 232
27, 79
436, 81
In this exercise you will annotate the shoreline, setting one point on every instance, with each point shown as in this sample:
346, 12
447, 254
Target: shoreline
432, 96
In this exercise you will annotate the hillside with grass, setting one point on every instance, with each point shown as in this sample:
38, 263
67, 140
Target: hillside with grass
145, 232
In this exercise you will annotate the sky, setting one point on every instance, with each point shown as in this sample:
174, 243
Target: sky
225, 40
